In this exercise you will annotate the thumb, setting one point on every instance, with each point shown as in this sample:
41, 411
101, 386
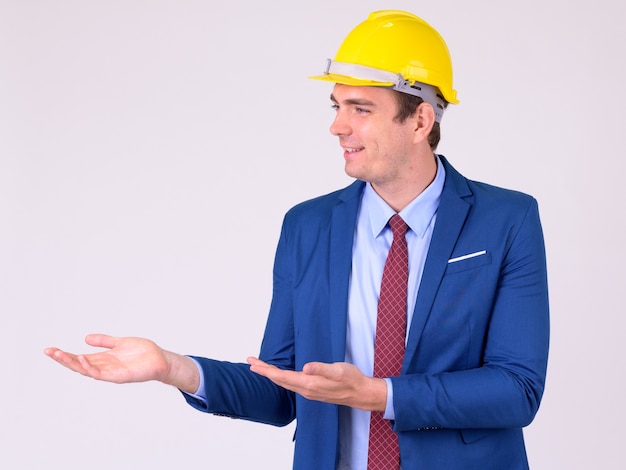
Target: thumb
102, 341
315, 368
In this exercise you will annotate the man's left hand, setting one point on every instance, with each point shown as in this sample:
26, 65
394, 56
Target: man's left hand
339, 383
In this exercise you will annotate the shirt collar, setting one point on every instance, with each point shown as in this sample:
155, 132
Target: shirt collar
417, 214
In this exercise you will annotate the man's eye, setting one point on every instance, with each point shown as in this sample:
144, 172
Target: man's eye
361, 110
334, 107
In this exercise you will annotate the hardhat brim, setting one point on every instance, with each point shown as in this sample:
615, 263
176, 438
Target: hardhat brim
450, 95
351, 81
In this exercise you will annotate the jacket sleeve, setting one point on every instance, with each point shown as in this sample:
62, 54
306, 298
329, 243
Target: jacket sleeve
503, 387
236, 392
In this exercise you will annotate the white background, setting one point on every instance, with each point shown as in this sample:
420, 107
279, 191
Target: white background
141, 142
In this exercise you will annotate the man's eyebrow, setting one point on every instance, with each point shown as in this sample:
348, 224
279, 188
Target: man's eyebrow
353, 101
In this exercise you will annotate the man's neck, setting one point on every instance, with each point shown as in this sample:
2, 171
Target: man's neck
398, 194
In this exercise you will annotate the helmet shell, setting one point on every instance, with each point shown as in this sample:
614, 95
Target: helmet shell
398, 42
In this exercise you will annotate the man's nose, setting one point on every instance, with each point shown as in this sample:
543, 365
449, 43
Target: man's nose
340, 125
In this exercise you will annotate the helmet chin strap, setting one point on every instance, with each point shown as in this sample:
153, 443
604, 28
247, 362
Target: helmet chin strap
395, 81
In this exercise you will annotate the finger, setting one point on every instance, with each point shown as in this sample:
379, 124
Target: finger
57, 354
254, 361
87, 367
284, 378
102, 341
335, 372
50, 352
262, 368
317, 368
66, 359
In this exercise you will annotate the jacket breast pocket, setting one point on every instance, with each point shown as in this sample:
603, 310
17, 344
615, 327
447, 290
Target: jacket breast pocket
457, 265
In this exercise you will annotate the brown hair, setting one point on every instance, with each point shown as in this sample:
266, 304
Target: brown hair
407, 105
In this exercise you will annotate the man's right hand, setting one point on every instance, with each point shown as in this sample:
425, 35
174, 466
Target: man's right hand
128, 360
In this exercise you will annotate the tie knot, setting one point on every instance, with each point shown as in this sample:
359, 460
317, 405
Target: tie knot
398, 226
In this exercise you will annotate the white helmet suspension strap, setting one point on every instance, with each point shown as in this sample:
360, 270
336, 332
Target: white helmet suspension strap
428, 93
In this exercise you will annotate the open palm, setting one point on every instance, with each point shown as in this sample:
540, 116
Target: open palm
124, 360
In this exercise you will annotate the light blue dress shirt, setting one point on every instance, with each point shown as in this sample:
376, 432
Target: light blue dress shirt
372, 240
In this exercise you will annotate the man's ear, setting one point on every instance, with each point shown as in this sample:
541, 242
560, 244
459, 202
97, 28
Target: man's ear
424, 120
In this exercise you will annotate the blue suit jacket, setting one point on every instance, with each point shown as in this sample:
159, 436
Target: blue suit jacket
475, 363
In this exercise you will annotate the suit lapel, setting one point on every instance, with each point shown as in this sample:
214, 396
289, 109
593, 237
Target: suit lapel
451, 215
340, 264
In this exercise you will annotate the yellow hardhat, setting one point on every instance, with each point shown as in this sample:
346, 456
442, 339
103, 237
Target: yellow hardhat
396, 49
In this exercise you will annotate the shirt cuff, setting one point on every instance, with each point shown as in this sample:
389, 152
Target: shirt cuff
389, 411
201, 392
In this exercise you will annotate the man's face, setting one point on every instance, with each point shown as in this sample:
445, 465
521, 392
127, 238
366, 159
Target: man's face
377, 148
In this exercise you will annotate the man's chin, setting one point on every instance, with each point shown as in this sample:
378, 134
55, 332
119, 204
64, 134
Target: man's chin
354, 172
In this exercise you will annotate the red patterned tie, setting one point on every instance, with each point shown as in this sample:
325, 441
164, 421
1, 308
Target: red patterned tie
384, 453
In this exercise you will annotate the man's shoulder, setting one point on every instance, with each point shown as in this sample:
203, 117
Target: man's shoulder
490, 193
483, 193
323, 205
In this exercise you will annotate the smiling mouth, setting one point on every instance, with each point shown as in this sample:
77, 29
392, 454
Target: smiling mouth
352, 149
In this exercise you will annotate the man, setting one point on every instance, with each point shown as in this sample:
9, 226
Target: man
443, 369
